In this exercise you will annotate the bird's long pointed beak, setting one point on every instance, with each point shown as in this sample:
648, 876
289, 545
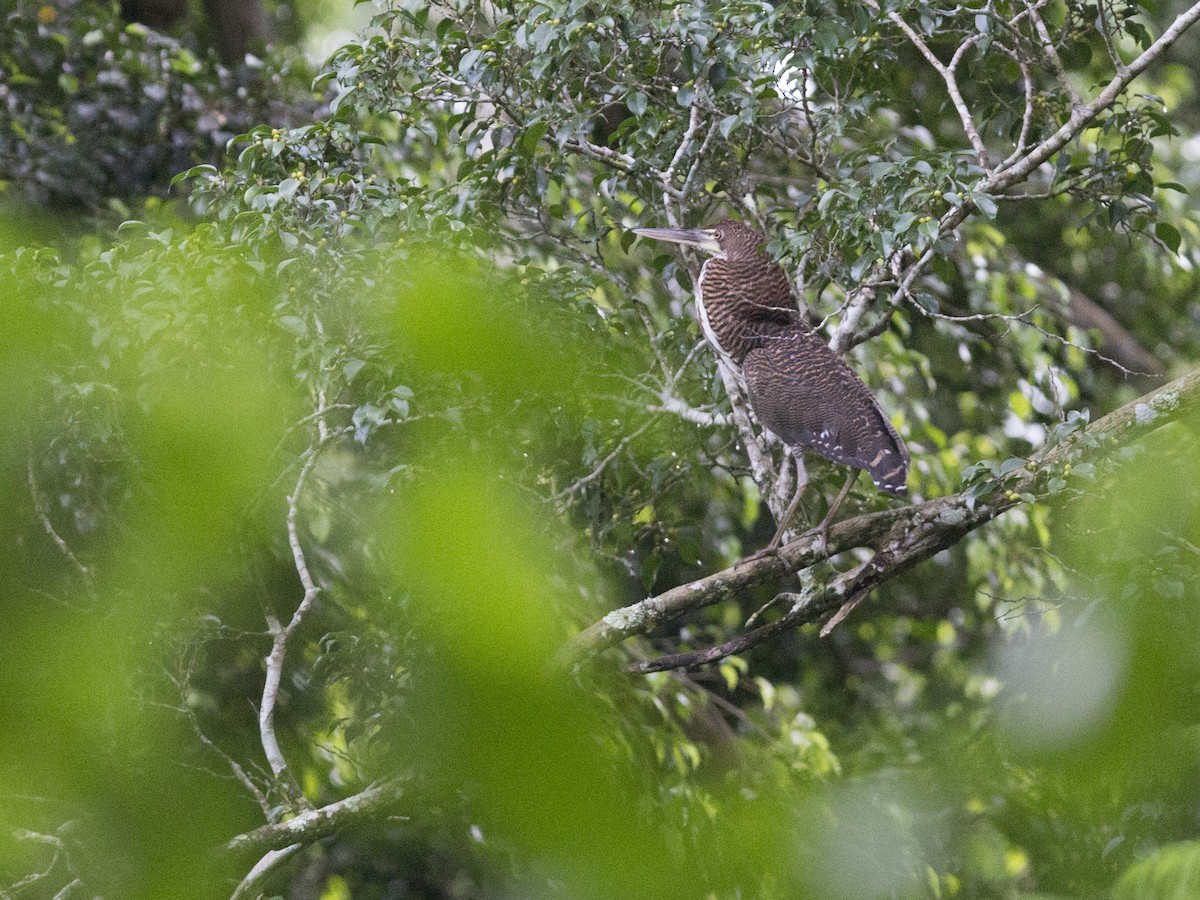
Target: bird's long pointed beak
702, 238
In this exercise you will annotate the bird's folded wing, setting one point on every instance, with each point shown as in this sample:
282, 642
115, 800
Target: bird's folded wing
807, 395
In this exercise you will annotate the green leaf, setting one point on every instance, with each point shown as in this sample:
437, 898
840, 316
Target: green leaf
1169, 235
532, 137
295, 325
194, 172
986, 205
1011, 465
1076, 55
468, 61
637, 102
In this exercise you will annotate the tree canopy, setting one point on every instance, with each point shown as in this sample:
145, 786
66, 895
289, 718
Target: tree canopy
379, 523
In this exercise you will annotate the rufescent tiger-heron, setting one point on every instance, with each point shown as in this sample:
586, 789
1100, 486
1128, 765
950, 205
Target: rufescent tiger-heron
799, 389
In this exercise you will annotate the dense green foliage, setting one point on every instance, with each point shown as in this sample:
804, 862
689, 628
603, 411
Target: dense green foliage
397, 392
95, 111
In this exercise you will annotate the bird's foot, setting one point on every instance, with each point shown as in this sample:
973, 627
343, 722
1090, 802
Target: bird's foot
820, 531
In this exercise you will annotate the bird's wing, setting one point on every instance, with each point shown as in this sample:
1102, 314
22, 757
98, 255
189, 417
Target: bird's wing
807, 395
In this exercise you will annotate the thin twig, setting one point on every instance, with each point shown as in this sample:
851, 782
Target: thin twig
1022, 142
1118, 63
183, 686
1080, 116
39, 506
1016, 171
580, 483
1056, 65
29, 880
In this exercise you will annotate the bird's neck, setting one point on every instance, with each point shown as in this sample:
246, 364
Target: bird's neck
740, 301
752, 290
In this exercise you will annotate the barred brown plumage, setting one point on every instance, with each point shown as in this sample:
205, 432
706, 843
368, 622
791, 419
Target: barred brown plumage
799, 389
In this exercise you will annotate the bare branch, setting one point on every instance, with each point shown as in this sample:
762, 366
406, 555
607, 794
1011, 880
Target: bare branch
856, 307
281, 635
314, 824
669, 403
758, 451
617, 160
1106, 33
183, 684
49, 840
1017, 168
1052, 57
801, 610
1075, 307
691, 175
1027, 115
811, 122
251, 886
685, 145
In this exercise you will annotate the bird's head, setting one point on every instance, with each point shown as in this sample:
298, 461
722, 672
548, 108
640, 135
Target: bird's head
725, 240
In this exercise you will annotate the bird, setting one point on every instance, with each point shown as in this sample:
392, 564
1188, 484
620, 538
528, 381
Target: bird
799, 389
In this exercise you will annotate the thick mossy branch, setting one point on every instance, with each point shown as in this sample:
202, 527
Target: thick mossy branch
899, 538
315, 824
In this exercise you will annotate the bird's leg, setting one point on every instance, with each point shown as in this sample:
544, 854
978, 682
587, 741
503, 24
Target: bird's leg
838, 501
801, 484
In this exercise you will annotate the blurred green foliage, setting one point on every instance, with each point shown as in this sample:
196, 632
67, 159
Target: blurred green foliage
95, 112
413, 341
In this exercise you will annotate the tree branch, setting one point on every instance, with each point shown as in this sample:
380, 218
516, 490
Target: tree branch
762, 465
282, 634
1106, 33
314, 824
669, 403
580, 483
843, 337
251, 886
1056, 66
900, 538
